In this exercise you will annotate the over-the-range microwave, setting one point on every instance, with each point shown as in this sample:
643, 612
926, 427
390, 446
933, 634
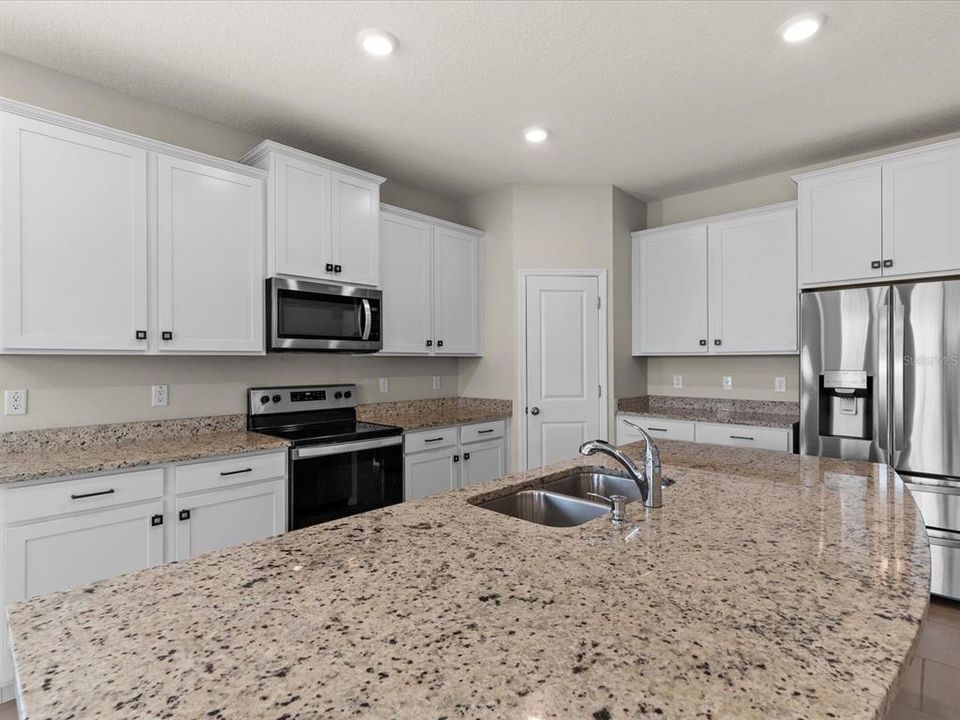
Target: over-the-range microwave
322, 317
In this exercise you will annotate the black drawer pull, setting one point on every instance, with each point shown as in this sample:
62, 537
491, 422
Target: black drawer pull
657, 429
329, 267
702, 342
484, 432
439, 343
235, 472
433, 439
429, 343
184, 515
141, 334
888, 263
875, 264
456, 458
466, 456
166, 335
156, 520
80, 496
337, 269
741, 437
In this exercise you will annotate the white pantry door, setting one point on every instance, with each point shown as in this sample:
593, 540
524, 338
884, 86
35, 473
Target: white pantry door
563, 366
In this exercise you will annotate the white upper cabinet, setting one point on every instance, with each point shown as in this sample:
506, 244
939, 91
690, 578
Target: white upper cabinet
726, 284
113, 243
893, 216
430, 274
406, 248
322, 217
753, 283
210, 238
670, 291
74, 240
921, 213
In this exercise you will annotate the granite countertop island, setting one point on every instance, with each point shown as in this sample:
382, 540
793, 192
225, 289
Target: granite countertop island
768, 586
757, 413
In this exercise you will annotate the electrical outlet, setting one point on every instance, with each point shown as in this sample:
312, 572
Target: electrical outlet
678, 381
14, 402
436, 382
780, 384
384, 385
727, 382
160, 396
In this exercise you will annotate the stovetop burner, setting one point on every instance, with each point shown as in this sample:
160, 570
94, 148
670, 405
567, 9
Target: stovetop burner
333, 432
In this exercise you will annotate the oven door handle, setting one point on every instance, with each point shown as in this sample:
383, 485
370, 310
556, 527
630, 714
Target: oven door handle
367, 320
343, 448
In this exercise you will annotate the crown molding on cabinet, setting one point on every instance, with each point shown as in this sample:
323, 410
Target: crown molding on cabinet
430, 219
269, 146
16, 107
878, 159
790, 204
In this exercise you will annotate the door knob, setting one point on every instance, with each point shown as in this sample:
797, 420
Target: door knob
534, 411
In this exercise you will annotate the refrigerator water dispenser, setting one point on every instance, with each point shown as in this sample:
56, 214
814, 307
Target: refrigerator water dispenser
846, 404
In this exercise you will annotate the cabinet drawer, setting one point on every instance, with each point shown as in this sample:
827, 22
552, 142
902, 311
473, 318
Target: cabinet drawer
744, 436
223, 473
72, 496
431, 439
667, 429
482, 431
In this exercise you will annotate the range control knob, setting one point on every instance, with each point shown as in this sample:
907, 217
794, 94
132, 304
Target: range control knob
338, 395
348, 394
264, 399
276, 398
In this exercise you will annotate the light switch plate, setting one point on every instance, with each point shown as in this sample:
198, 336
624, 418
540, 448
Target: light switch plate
780, 384
678, 381
727, 382
160, 396
384, 385
436, 382
14, 402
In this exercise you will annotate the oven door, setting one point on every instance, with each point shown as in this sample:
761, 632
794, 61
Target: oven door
305, 315
328, 482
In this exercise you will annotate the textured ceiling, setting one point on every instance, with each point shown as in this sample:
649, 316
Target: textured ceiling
658, 98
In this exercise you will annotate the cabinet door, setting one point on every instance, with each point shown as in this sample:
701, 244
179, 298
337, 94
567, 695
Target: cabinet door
52, 555
428, 473
921, 213
456, 295
301, 219
670, 273
839, 226
483, 461
406, 282
74, 238
213, 520
753, 283
356, 229
210, 230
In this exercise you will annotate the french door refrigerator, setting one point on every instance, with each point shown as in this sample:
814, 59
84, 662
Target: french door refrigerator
880, 381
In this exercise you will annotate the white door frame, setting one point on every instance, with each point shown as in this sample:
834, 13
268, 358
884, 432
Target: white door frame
601, 275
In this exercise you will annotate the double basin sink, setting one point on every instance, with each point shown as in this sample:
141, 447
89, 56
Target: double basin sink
566, 501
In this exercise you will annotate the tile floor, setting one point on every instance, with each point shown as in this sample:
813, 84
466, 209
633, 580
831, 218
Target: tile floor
931, 690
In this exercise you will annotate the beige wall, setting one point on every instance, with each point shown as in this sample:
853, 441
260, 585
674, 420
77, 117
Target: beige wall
753, 376
629, 372
80, 390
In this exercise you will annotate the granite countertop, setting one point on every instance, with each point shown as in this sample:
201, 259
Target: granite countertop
769, 585
757, 413
61, 452
441, 412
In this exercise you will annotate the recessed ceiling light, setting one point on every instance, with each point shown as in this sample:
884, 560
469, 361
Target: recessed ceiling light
377, 42
802, 27
535, 134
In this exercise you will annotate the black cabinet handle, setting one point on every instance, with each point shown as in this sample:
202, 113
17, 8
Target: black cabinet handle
184, 514
657, 429
166, 335
888, 263
141, 334
717, 341
875, 264
484, 432
80, 496
433, 439
329, 267
456, 458
337, 269
235, 472
156, 520
741, 437
703, 343
466, 456
439, 343
429, 343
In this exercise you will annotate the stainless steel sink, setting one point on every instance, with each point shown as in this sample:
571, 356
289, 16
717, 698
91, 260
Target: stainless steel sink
581, 482
547, 508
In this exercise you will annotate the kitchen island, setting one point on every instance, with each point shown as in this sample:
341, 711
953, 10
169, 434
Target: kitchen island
769, 585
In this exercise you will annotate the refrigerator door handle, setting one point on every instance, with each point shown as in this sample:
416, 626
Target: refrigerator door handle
897, 408
882, 390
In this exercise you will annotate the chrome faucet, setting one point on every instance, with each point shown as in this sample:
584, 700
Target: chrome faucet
649, 480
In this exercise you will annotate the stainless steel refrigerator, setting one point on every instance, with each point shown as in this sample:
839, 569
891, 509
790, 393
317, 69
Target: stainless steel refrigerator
880, 381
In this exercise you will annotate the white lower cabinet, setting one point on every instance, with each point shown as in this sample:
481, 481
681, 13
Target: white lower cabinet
71, 532
439, 460
704, 432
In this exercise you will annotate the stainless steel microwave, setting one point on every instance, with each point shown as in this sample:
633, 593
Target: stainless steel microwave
322, 317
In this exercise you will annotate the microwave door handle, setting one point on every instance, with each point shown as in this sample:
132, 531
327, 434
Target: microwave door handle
367, 320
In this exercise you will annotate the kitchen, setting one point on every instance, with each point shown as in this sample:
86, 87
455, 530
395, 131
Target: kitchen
287, 383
